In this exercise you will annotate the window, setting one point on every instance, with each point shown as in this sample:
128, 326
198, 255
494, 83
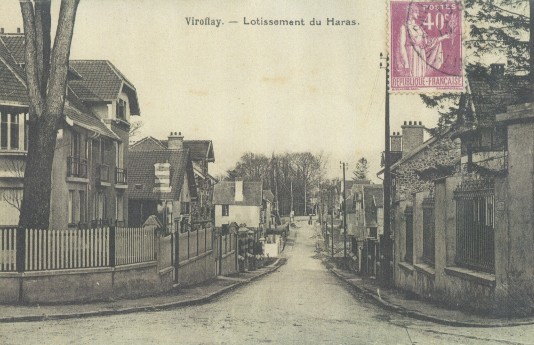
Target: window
225, 210
102, 151
75, 144
185, 208
119, 209
70, 207
100, 206
9, 131
83, 207
14, 132
119, 161
408, 214
3, 130
121, 109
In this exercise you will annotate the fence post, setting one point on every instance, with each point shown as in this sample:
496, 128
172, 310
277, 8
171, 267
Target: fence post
21, 249
112, 231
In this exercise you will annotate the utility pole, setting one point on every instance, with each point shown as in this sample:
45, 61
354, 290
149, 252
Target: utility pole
344, 211
332, 221
291, 183
387, 256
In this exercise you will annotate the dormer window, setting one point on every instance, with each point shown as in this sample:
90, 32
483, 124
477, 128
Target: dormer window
121, 109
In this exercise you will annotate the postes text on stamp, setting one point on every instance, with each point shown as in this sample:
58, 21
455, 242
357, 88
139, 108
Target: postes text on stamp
426, 46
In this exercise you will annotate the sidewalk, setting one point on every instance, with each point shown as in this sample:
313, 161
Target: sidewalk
395, 300
199, 294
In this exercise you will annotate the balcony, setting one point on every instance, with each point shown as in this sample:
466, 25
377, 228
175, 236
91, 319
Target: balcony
76, 167
120, 176
102, 175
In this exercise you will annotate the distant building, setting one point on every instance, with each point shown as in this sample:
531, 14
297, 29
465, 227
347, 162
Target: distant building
162, 183
238, 201
201, 153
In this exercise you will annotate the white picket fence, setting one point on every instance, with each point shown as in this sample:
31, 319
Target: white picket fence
8, 250
134, 245
63, 249
75, 248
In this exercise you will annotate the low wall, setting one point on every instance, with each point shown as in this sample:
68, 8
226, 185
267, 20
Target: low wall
84, 285
229, 263
197, 269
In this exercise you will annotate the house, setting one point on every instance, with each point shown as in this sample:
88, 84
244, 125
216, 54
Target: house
238, 201
462, 225
161, 182
201, 153
365, 204
88, 175
268, 216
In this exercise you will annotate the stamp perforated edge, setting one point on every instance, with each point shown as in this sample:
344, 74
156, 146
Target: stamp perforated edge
428, 91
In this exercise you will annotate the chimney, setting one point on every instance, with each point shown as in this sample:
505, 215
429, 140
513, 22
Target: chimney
412, 136
176, 141
238, 189
396, 142
18, 30
162, 174
497, 69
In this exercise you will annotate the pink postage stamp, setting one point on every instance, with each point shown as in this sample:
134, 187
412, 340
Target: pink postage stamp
426, 46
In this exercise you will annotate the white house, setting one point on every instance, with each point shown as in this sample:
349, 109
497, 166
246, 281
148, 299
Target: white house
238, 201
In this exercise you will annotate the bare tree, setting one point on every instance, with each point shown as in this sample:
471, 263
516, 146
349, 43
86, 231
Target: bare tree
46, 78
135, 129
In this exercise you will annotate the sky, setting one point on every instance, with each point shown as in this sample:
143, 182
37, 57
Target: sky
255, 88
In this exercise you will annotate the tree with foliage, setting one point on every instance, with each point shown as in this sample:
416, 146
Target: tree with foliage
362, 168
498, 29
46, 79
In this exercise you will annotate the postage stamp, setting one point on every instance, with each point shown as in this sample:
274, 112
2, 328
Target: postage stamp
425, 40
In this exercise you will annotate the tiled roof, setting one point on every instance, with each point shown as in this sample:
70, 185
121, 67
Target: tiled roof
224, 193
12, 85
492, 94
102, 81
15, 45
88, 121
147, 144
198, 149
141, 175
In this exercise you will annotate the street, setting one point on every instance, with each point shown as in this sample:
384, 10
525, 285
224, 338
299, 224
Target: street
301, 303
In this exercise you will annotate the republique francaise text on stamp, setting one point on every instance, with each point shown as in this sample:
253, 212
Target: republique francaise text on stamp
426, 46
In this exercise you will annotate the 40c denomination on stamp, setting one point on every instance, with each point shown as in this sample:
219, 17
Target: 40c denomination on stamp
426, 46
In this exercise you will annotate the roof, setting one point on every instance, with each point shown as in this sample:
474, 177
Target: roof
12, 79
224, 193
141, 174
268, 195
13, 88
101, 81
198, 149
492, 93
88, 121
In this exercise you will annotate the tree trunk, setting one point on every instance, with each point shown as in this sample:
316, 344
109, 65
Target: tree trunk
35, 210
46, 78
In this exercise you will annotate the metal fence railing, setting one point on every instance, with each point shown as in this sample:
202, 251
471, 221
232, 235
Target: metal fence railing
475, 219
